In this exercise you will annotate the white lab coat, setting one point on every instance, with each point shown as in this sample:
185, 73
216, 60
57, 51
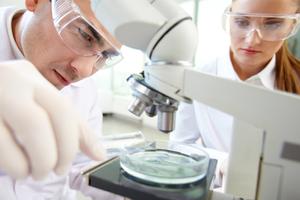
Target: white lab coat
84, 97
199, 123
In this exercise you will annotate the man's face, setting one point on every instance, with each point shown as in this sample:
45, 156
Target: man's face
42, 45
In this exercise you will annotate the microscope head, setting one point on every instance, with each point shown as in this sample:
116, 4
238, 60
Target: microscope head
152, 102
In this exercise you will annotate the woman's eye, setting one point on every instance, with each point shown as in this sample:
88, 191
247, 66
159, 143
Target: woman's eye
273, 24
242, 23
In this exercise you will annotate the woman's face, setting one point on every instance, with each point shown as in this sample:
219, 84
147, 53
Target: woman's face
250, 51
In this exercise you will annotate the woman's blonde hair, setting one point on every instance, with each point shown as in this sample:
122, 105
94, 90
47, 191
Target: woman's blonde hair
287, 68
287, 71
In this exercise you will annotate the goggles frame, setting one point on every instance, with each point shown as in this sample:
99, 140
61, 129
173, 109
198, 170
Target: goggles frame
64, 12
228, 13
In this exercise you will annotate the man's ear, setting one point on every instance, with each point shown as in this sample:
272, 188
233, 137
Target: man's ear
31, 5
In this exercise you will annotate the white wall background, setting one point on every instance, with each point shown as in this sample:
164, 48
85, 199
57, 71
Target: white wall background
19, 3
212, 37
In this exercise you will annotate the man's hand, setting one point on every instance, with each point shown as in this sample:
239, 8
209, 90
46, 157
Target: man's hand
39, 129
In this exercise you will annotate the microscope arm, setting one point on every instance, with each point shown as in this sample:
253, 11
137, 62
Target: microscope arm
266, 131
159, 28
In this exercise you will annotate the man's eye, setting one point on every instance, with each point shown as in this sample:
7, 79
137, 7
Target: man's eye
106, 54
109, 54
85, 36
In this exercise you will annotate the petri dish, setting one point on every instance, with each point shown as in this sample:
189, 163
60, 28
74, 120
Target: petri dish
165, 163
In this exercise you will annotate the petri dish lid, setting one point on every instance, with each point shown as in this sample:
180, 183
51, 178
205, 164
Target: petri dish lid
164, 163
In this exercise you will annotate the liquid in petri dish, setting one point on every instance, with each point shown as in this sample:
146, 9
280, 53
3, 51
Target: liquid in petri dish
165, 166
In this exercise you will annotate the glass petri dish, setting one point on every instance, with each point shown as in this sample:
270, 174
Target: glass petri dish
164, 163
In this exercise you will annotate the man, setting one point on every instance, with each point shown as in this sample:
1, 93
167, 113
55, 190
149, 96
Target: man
42, 130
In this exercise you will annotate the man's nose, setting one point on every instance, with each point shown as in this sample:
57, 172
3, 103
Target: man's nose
83, 66
253, 37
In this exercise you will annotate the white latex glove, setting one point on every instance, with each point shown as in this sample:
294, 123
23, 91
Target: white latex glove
78, 182
221, 168
39, 129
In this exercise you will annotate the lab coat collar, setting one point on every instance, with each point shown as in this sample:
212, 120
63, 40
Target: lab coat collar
267, 75
225, 68
78, 84
264, 78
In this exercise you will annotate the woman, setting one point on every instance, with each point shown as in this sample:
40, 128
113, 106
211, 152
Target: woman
258, 54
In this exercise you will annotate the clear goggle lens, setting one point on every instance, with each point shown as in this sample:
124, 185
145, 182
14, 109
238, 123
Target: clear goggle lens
268, 27
81, 36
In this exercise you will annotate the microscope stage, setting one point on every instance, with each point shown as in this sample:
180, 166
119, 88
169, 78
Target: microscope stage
109, 176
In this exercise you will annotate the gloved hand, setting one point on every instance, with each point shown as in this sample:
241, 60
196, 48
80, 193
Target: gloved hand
78, 182
39, 130
221, 168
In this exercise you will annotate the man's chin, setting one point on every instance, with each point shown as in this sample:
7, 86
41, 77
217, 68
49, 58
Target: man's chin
58, 86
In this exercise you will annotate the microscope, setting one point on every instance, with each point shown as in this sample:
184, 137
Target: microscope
168, 37
266, 129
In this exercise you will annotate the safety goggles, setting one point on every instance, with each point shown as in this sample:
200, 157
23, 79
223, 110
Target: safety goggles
79, 35
274, 27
